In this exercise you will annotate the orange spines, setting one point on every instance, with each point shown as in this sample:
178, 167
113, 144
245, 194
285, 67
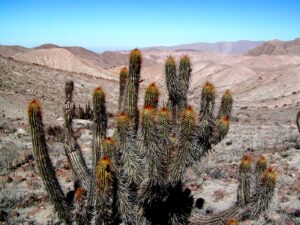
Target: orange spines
123, 74
232, 222
246, 164
152, 95
80, 194
98, 92
34, 108
225, 120
189, 115
269, 177
135, 56
164, 114
109, 147
209, 88
261, 164
103, 174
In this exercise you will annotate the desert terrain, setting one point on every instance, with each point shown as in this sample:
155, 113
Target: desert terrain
263, 77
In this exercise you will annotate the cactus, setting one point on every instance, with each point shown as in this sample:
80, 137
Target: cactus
44, 163
123, 81
184, 76
151, 96
130, 106
138, 174
243, 196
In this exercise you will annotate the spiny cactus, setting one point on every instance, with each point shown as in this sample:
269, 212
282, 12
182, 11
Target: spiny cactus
151, 96
185, 70
137, 175
123, 81
44, 163
130, 105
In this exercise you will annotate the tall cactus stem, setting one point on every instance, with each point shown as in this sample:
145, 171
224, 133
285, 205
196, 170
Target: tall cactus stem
185, 70
226, 105
132, 88
44, 163
245, 170
123, 81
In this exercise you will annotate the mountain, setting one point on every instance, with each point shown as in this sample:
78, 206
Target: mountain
237, 47
277, 47
10, 50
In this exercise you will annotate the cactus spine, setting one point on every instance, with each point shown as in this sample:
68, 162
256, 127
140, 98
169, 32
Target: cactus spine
71, 146
151, 96
243, 196
44, 163
185, 70
172, 85
138, 174
123, 81
132, 88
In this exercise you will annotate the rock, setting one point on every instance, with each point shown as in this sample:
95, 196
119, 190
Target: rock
219, 195
20, 132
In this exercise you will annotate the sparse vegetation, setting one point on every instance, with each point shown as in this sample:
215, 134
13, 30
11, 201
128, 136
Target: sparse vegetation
137, 175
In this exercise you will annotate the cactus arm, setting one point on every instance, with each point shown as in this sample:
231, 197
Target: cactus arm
130, 106
186, 146
151, 96
245, 171
105, 192
72, 149
122, 88
185, 70
172, 86
99, 132
44, 163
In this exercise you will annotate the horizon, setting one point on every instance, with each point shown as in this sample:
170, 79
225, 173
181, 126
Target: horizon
102, 26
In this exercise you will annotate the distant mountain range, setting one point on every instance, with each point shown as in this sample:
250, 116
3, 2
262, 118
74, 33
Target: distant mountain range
237, 47
277, 47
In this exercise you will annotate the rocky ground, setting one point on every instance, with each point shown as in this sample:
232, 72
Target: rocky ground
269, 131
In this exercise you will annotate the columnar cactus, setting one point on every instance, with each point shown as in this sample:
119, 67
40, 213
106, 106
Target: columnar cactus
44, 163
123, 81
130, 106
151, 96
185, 70
243, 196
138, 174
71, 146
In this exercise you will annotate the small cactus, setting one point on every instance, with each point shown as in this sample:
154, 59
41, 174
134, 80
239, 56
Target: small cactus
244, 180
151, 96
123, 81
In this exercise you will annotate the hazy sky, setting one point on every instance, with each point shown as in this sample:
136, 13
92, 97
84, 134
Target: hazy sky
120, 24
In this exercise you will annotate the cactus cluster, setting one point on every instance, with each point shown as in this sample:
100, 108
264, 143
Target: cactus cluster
137, 175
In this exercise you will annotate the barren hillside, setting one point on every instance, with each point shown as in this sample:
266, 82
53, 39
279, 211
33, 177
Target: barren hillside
277, 47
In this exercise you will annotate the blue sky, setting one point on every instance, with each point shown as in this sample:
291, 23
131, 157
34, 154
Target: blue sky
122, 24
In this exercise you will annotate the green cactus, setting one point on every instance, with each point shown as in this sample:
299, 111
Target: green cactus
71, 146
151, 96
172, 85
130, 106
243, 196
184, 76
44, 163
123, 81
138, 174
